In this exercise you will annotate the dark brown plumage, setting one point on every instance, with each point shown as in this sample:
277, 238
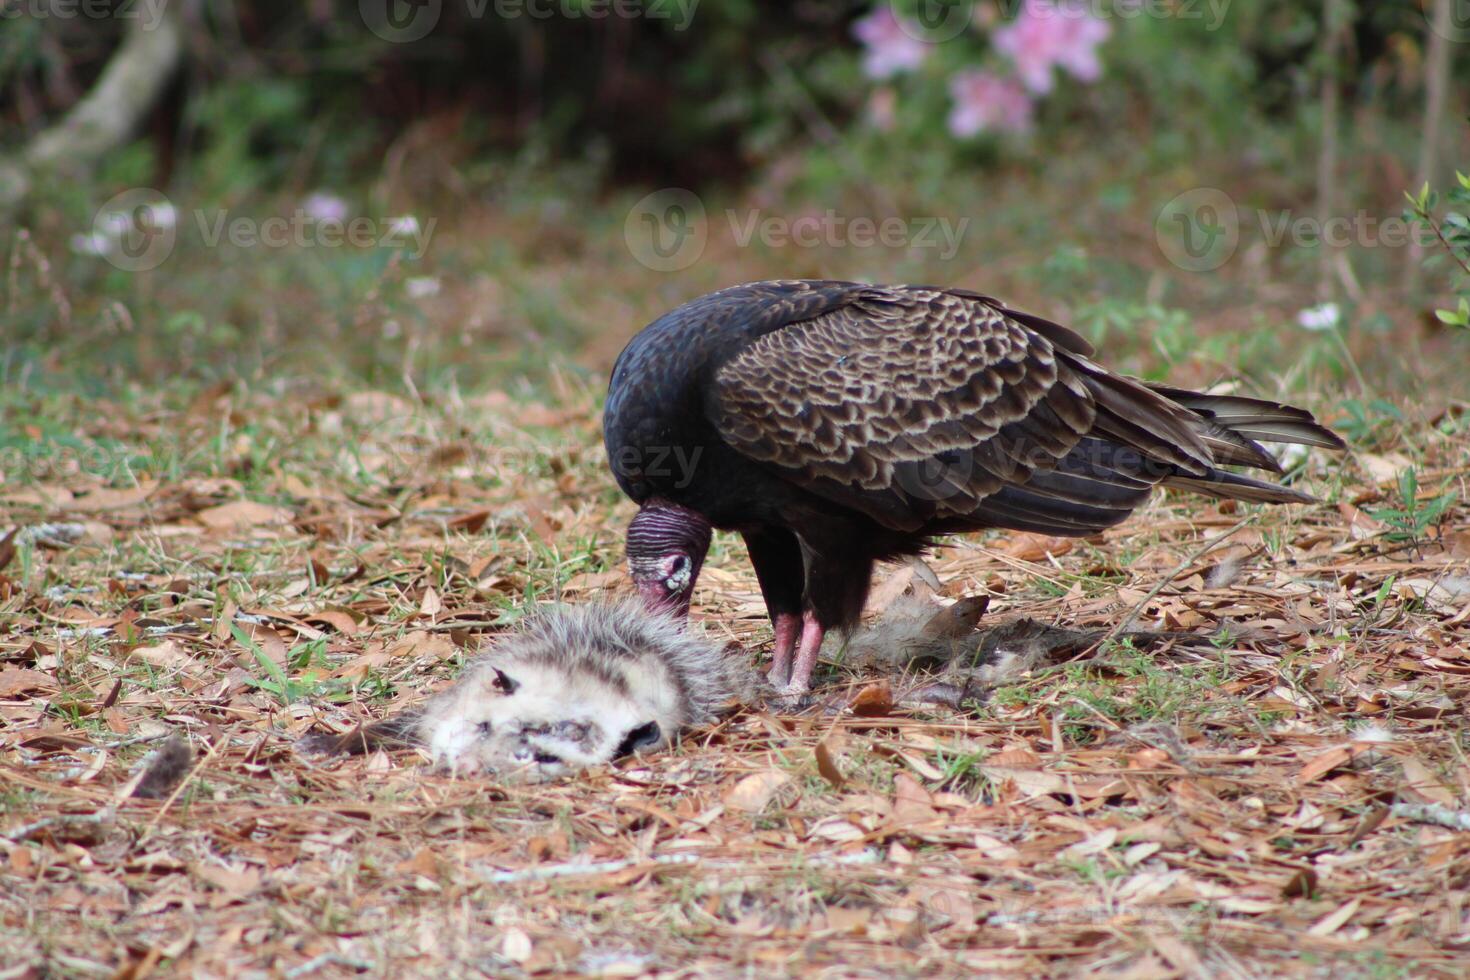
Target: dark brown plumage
835, 424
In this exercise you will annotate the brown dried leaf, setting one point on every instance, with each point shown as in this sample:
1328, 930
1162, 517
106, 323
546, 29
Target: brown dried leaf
912, 803
270, 642
584, 582
838, 830
424, 862
1360, 525
1421, 780
106, 499
7, 547
167, 655
18, 680
242, 513
874, 701
1334, 921
755, 792
236, 884
1324, 763
827, 766
341, 621
1303, 884
846, 921
1036, 547
422, 643
1031, 782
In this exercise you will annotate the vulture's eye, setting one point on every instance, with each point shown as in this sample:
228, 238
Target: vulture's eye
643, 737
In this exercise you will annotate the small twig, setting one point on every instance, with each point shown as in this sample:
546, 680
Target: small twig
1432, 813
1439, 233
327, 959
1127, 621
450, 625
549, 872
1104, 720
26, 831
1031, 568
135, 740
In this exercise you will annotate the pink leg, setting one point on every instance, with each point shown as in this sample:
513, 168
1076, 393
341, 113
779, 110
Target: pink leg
788, 625
806, 655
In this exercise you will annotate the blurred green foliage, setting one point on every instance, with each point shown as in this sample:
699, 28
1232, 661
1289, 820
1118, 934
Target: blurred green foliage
279, 92
544, 130
1449, 222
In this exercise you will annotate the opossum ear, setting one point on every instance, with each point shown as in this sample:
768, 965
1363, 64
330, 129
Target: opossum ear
643, 737
503, 682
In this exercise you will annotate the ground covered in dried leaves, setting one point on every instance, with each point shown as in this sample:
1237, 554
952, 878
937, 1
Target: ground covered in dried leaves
240, 567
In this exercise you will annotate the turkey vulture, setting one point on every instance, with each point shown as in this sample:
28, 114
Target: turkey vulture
836, 424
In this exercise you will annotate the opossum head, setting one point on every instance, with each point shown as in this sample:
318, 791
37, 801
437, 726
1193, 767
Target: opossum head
532, 719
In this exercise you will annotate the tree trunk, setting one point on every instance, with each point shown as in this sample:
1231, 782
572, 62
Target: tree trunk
111, 112
1333, 25
1436, 83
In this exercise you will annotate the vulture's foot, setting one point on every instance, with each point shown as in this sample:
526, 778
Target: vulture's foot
790, 699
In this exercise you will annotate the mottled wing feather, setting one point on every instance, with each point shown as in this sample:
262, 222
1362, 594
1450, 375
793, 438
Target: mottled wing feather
1064, 337
910, 405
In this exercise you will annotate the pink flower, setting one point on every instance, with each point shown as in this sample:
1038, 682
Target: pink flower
983, 100
891, 48
1045, 34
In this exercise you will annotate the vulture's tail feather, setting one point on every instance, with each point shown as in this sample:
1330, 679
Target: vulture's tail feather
1233, 427
1233, 486
1133, 415
1255, 418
